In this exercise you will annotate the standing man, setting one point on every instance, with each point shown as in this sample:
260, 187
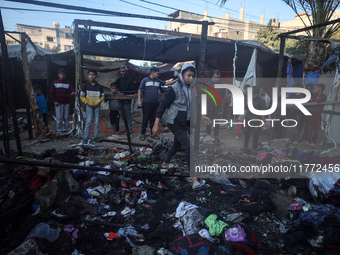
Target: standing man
92, 95
126, 86
150, 87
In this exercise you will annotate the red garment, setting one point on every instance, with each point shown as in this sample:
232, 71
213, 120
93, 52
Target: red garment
240, 127
61, 91
314, 121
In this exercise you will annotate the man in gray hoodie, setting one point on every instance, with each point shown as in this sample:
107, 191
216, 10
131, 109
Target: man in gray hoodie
177, 101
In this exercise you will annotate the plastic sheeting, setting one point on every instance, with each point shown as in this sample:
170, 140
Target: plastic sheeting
14, 51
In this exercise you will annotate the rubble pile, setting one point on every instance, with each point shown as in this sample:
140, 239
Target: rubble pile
108, 201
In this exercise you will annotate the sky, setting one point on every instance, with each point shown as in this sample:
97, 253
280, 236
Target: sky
160, 8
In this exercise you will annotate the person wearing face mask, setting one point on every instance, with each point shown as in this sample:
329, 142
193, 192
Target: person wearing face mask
177, 101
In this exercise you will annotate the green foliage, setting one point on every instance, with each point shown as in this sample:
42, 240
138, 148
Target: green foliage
269, 37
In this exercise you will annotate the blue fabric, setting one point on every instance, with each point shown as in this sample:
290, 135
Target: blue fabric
294, 74
318, 214
332, 59
304, 157
150, 89
41, 102
312, 78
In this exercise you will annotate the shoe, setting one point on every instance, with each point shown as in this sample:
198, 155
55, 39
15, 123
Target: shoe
295, 143
237, 138
85, 141
97, 140
196, 186
165, 130
156, 137
142, 137
306, 143
312, 145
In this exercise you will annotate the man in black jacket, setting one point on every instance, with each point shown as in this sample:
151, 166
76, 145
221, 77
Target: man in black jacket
126, 86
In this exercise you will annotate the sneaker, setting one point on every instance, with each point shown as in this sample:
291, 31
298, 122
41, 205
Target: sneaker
237, 138
295, 143
97, 140
312, 145
85, 141
306, 143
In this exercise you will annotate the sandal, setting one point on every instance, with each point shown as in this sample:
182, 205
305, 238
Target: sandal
156, 137
196, 186
142, 137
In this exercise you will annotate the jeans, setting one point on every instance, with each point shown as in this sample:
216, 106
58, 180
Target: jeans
181, 139
134, 105
62, 112
127, 110
92, 113
149, 115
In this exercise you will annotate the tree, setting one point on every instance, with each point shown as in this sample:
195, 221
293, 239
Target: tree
269, 37
318, 11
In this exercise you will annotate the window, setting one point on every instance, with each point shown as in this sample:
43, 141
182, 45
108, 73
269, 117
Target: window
68, 35
67, 47
49, 39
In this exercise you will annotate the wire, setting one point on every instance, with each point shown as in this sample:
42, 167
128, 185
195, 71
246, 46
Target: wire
80, 13
159, 5
143, 7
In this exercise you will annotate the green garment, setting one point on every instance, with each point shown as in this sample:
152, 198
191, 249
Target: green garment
215, 227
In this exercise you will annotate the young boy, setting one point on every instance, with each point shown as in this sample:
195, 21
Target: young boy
149, 88
177, 101
41, 102
314, 121
92, 95
114, 107
61, 90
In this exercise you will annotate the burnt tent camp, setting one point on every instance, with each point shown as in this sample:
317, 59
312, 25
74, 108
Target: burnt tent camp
220, 53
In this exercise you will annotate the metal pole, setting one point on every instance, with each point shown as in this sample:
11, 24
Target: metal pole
126, 127
281, 57
7, 74
201, 62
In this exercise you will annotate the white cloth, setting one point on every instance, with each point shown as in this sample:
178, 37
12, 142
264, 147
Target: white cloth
183, 207
205, 234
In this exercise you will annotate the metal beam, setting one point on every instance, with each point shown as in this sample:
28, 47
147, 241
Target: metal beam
91, 23
91, 10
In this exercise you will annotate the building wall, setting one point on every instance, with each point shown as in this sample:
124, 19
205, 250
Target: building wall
297, 23
225, 27
45, 37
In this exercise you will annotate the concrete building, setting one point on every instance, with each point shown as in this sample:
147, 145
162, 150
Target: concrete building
48, 38
299, 22
225, 27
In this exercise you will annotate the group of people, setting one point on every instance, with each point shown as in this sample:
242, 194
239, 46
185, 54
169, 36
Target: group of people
178, 95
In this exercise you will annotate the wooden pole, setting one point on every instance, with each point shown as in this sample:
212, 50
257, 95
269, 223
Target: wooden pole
201, 61
39, 125
8, 83
126, 127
